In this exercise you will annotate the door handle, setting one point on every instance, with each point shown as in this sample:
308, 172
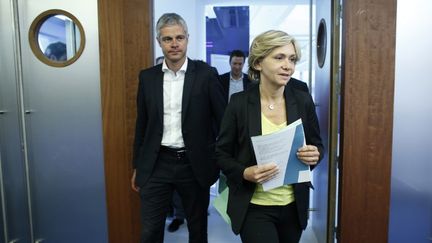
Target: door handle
39, 240
29, 111
13, 241
2, 112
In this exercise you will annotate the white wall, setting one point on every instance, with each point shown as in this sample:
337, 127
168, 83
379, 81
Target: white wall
411, 198
413, 87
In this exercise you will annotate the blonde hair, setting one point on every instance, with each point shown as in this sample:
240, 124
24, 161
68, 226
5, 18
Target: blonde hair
264, 44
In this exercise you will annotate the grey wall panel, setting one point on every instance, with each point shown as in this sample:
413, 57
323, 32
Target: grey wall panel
321, 91
411, 190
16, 216
64, 134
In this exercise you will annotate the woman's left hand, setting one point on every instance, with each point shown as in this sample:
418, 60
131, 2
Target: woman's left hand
308, 154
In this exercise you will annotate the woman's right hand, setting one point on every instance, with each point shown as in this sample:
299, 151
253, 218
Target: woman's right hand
260, 173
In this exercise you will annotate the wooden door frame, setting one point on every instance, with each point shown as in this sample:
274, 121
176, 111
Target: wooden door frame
368, 65
126, 47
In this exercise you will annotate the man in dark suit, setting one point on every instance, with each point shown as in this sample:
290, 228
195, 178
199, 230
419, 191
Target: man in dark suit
235, 80
177, 104
297, 84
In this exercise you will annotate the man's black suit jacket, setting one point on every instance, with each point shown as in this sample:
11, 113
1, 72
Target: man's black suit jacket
297, 84
202, 105
234, 150
247, 83
225, 80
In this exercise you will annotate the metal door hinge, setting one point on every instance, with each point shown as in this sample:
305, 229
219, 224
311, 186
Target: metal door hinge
337, 232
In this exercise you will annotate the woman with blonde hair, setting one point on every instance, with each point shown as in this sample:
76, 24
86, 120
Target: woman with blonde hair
280, 214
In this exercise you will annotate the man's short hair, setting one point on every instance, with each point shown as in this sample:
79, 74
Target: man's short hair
170, 19
57, 51
236, 53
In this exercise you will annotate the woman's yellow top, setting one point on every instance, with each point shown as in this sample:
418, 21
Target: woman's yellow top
279, 196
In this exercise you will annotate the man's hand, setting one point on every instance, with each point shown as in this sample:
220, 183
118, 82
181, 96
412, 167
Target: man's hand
134, 187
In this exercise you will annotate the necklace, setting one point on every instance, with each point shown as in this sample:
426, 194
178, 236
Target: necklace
276, 100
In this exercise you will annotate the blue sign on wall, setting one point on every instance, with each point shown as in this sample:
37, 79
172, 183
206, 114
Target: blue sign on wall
228, 31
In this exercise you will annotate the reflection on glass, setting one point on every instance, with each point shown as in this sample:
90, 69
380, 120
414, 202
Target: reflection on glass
59, 38
321, 43
56, 51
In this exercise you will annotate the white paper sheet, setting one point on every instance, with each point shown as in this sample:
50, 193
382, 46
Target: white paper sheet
280, 147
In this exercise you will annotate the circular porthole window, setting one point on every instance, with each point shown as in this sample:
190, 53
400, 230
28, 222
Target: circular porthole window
321, 43
57, 38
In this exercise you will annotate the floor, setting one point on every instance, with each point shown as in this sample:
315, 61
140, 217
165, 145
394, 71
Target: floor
220, 232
